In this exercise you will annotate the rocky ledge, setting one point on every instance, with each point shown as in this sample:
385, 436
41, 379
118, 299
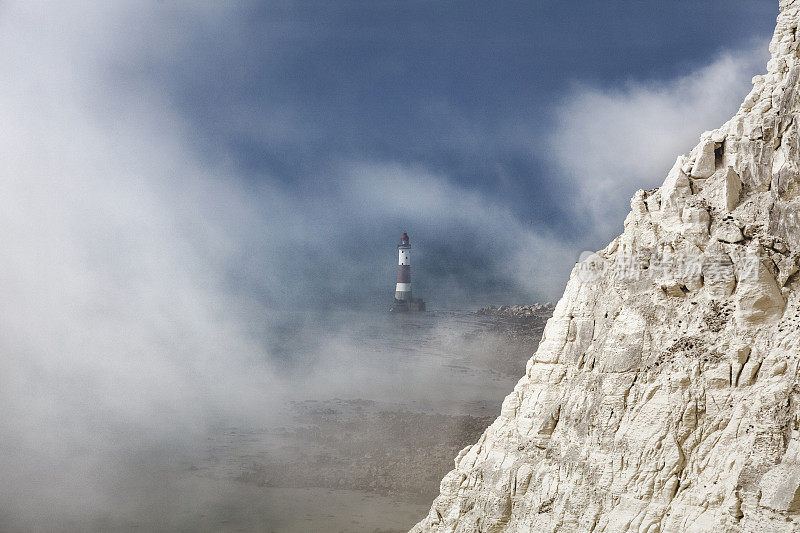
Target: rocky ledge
518, 311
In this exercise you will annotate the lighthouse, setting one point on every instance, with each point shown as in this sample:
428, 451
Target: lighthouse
403, 300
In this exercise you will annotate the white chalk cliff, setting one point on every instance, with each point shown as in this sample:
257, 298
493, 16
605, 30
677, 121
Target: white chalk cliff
665, 394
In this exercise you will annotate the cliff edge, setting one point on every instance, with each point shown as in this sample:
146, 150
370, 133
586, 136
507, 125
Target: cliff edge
664, 395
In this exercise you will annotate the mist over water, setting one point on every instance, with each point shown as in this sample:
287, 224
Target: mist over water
362, 411
378, 355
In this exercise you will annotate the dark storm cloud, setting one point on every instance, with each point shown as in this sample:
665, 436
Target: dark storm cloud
285, 88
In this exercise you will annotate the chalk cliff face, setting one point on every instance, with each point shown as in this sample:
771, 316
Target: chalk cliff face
665, 395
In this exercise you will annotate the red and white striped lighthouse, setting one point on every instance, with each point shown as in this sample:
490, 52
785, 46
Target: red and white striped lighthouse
403, 301
403, 291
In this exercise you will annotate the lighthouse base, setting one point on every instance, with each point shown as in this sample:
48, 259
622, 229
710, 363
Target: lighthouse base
407, 306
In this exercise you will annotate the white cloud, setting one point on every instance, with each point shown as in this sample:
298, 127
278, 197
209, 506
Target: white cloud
117, 331
607, 143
